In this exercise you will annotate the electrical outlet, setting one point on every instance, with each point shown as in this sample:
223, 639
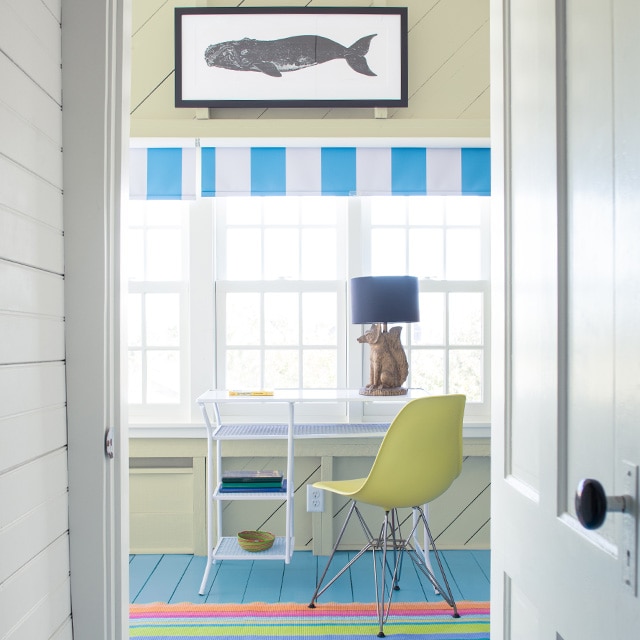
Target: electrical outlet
315, 499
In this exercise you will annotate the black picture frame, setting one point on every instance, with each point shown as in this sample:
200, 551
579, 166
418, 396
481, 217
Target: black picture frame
291, 57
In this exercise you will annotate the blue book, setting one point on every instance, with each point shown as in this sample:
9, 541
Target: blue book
253, 489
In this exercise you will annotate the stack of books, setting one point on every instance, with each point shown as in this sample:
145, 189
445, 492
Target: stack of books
246, 481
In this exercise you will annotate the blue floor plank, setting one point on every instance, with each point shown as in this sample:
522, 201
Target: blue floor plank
300, 575
265, 581
471, 582
229, 581
483, 558
140, 568
177, 578
189, 584
341, 590
162, 582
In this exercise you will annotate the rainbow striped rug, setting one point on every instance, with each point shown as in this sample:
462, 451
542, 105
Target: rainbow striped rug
331, 621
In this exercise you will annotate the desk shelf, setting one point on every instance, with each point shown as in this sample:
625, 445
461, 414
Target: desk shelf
227, 548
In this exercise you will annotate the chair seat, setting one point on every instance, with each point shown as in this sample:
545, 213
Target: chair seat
341, 487
418, 459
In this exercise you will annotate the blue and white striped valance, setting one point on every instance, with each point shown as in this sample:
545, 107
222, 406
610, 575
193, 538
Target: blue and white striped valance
333, 171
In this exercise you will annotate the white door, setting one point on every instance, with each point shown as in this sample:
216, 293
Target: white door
566, 149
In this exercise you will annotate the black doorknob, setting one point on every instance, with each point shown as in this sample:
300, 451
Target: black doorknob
592, 503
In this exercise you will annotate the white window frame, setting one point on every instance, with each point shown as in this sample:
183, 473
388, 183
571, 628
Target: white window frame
203, 316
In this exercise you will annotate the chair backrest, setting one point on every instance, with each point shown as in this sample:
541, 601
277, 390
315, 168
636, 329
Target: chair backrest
420, 455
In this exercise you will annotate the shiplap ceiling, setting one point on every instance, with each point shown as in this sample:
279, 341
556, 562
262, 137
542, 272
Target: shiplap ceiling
448, 62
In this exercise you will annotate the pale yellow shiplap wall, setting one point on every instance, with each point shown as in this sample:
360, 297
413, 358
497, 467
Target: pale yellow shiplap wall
448, 97
34, 537
448, 42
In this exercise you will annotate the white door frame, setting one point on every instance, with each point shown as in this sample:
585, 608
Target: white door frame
95, 79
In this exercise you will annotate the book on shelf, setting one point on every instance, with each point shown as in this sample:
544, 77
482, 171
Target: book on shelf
253, 488
249, 485
254, 477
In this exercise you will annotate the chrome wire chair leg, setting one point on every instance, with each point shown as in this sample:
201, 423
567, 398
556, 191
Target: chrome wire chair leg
370, 543
418, 559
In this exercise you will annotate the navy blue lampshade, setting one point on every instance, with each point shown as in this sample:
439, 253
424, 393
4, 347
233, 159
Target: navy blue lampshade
384, 299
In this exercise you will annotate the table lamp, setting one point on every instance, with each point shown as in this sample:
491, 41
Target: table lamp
380, 300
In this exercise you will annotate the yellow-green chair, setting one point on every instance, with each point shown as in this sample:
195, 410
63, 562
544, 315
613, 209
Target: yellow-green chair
419, 457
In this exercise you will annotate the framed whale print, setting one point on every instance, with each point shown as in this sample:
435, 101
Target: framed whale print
290, 57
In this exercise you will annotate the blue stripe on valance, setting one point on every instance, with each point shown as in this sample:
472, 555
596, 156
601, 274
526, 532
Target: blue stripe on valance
337, 171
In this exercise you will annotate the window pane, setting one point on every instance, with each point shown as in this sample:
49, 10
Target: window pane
465, 373
319, 369
164, 254
243, 318
426, 210
319, 255
463, 254
321, 210
163, 377
388, 210
431, 328
244, 254
244, 211
134, 320
162, 319
166, 213
426, 369
281, 369
281, 251
134, 377
280, 211
465, 318
426, 253
319, 315
281, 319
388, 252
243, 369
135, 255
464, 210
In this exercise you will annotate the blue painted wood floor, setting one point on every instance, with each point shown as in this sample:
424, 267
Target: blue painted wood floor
176, 578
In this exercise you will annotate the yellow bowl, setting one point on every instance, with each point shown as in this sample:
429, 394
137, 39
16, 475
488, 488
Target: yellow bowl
255, 540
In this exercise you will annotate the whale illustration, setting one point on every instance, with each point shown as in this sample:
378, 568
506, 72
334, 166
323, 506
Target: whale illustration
275, 57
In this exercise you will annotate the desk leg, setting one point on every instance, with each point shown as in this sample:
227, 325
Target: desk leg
290, 488
209, 475
424, 547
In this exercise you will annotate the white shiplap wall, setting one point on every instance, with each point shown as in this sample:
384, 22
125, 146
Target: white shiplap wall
34, 544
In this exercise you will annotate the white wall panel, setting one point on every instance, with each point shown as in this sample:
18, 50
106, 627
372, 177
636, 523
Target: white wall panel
30, 36
30, 195
44, 581
30, 242
28, 101
31, 434
30, 147
32, 339
25, 538
27, 387
27, 290
29, 486
50, 613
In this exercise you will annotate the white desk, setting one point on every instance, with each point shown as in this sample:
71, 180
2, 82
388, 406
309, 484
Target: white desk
218, 431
